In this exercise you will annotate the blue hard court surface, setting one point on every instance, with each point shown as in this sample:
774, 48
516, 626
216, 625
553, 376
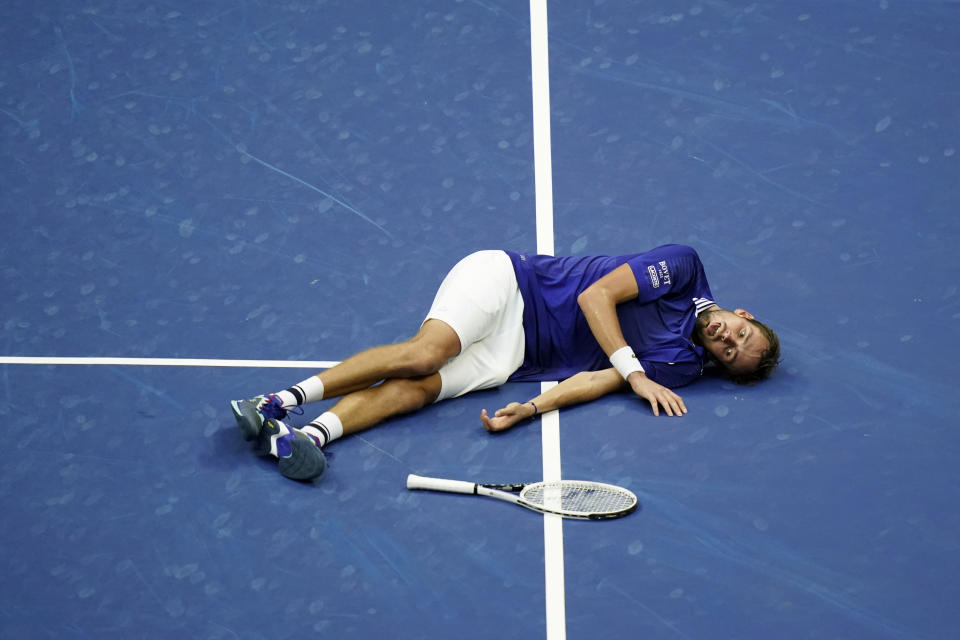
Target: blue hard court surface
290, 181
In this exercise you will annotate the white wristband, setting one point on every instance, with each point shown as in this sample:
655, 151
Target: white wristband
625, 361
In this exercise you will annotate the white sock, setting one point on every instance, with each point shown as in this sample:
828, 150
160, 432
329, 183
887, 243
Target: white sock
287, 398
310, 390
324, 429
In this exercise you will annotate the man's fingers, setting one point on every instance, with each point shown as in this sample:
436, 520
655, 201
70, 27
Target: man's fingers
659, 396
488, 422
490, 425
681, 408
672, 404
672, 399
668, 406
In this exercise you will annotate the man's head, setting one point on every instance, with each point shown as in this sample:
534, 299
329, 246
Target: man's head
745, 348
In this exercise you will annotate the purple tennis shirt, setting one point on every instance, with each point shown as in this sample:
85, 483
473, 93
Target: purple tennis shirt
657, 324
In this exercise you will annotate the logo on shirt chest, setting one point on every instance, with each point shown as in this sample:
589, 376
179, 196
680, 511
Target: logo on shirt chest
659, 274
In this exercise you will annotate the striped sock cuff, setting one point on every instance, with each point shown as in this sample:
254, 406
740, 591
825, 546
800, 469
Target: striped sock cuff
311, 390
325, 429
318, 432
297, 393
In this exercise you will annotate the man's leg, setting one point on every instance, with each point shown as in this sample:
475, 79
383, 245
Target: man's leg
422, 355
418, 358
469, 298
365, 408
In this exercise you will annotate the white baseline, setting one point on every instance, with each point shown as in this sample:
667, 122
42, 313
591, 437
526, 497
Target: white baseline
167, 362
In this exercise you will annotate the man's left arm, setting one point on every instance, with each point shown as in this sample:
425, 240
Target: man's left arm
599, 305
581, 387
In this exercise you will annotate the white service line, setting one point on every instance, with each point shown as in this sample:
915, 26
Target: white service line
542, 162
555, 593
169, 362
556, 616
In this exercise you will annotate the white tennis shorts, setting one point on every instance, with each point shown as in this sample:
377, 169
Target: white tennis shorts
481, 302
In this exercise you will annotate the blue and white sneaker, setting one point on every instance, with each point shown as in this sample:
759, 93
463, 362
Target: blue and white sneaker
251, 414
298, 455
261, 419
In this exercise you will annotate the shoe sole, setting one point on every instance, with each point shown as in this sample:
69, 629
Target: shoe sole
306, 460
249, 421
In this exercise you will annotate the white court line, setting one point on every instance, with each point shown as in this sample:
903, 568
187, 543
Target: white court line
169, 362
542, 161
550, 422
554, 581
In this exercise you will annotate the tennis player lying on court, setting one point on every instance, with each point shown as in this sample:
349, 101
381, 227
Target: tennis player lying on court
644, 322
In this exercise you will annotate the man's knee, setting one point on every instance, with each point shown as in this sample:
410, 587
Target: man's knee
410, 394
427, 361
430, 349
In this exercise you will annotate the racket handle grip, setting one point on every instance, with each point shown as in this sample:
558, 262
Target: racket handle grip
440, 484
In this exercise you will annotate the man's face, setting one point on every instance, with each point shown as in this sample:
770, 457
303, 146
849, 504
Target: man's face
729, 336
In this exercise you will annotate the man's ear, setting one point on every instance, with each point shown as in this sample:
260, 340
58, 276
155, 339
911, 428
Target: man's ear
743, 313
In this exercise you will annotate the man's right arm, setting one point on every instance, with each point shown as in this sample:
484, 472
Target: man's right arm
599, 305
599, 301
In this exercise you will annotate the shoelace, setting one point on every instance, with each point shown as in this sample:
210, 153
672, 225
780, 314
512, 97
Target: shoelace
273, 409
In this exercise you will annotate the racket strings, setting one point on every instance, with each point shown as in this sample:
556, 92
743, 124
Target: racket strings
579, 497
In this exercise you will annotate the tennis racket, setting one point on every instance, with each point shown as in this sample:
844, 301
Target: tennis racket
581, 499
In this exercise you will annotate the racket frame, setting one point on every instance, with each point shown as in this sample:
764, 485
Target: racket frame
507, 493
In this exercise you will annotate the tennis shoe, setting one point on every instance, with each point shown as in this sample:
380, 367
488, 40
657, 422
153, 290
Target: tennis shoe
298, 455
251, 414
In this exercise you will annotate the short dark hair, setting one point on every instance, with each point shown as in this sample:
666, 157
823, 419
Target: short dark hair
769, 359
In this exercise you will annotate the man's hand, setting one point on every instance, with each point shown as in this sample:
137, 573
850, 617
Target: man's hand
505, 418
657, 395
